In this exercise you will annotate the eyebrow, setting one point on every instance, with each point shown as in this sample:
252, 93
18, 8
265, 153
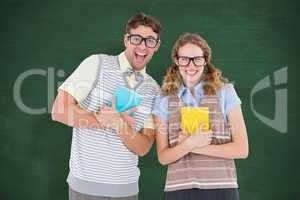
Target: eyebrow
191, 57
156, 38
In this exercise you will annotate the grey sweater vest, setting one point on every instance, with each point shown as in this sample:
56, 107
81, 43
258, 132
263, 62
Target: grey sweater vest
100, 163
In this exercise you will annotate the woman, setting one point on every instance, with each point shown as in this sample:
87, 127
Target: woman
201, 165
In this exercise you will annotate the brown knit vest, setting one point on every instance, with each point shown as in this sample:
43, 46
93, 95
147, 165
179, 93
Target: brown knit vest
195, 170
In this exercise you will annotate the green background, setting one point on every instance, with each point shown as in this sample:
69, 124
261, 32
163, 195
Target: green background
250, 40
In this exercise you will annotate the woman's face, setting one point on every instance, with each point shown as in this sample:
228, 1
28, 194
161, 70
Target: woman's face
191, 63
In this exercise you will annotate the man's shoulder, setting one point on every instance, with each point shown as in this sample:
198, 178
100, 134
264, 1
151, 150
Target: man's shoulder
106, 55
152, 82
98, 56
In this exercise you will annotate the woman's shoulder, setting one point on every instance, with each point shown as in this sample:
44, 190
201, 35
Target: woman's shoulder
227, 88
161, 107
230, 97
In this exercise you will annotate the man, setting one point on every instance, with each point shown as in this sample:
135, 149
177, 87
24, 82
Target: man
105, 143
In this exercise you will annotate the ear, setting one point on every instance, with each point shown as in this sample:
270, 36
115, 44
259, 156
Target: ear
157, 46
205, 58
126, 40
176, 61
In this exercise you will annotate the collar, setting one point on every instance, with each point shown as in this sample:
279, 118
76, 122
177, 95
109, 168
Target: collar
124, 64
198, 90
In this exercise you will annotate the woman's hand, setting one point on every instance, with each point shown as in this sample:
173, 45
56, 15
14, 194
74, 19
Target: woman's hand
183, 135
197, 139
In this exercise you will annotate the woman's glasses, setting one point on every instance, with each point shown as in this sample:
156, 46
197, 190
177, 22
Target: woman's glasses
185, 61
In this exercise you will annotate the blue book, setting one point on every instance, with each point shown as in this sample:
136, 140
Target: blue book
126, 99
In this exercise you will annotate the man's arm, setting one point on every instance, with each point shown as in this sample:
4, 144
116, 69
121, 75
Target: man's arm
139, 143
67, 111
77, 86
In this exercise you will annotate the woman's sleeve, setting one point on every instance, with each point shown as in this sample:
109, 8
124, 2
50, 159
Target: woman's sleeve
231, 99
161, 108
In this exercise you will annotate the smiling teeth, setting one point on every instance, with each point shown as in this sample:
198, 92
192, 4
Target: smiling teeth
140, 54
191, 72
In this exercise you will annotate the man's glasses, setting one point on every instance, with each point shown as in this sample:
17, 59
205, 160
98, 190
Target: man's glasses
136, 39
185, 61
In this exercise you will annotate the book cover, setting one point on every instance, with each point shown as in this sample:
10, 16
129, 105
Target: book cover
192, 117
126, 99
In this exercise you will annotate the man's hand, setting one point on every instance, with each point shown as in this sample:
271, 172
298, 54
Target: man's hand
108, 117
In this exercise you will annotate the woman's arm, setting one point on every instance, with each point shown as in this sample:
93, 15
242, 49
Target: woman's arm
236, 149
166, 154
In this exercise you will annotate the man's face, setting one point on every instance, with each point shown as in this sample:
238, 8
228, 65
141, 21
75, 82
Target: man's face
139, 55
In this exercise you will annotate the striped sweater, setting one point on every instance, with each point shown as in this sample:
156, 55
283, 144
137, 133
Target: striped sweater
195, 170
100, 163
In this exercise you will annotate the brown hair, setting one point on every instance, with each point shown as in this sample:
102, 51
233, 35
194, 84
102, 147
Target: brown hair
144, 20
211, 75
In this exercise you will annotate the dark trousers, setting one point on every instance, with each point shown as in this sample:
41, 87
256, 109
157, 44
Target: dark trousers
73, 195
204, 194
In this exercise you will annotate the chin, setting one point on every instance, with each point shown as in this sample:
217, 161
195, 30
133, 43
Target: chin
138, 67
192, 79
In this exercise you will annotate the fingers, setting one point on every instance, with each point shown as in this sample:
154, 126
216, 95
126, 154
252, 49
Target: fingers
97, 116
132, 110
210, 133
182, 137
184, 132
201, 126
113, 103
105, 108
180, 133
128, 119
102, 106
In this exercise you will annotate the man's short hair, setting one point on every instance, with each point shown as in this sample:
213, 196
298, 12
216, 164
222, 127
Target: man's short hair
144, 20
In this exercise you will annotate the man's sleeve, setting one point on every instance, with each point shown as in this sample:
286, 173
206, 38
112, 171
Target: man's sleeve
81, 81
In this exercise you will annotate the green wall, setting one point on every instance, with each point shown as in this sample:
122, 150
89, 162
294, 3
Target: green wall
250, 40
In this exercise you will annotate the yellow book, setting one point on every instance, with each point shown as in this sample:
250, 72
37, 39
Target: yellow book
192, 117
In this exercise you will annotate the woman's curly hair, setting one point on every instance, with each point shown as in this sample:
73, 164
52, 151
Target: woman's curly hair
212, 76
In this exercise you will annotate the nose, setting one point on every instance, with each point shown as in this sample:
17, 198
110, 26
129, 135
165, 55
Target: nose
143, 45
192, 65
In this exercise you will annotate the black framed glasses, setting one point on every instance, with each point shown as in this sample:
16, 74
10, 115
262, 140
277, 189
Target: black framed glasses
136, 39
185, 61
